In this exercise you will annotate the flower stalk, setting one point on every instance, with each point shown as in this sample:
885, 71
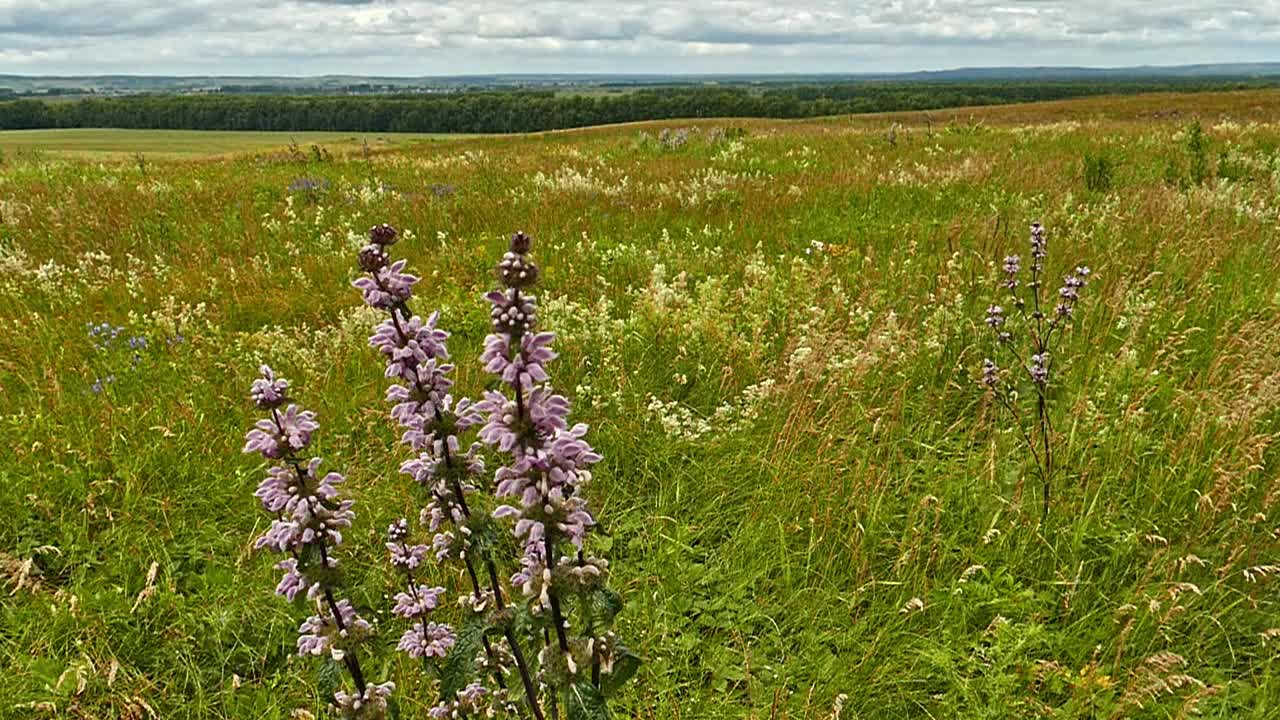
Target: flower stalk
309, 518
1032, 353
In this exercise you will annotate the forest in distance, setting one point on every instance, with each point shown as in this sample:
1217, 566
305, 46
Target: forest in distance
539, 110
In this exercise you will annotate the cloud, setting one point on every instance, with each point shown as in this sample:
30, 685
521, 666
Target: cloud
425, 37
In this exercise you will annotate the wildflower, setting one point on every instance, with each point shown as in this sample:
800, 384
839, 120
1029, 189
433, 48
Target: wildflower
990, 373
268, 391
541, 485
418, 602
1034, 358
308, 524
294, 582
308, 185
326, 632
407, 557
544, 480
1039, 248
515, 270
1040, 368
1069, 293
287, 432
512, 312
1012, 265
368, 705
427, 640
388, 286
524, 368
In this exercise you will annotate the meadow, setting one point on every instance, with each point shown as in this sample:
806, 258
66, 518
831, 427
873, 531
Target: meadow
775, 331
110, 143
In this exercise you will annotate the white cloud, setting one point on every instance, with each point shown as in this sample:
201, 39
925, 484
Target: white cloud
423, 37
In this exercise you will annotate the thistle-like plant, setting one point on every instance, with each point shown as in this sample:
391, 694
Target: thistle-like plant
543, 481
540, 484
1026, 337
309, 517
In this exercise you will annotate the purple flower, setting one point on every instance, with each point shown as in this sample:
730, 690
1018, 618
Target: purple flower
445, 544
513, 312
544, 414
319, 634
405, 344
418, 602
294, 581
1039, 247
407, 557
995, 317
285, 434
308, 523
1069, 293
371, 705
427, 640
1012, 265
549, 488
387, 287
990, 373
313, 522
517, 271
306, 185
527, 367
283, 487
1040, 369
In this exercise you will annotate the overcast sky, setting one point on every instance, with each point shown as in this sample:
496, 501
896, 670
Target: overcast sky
440, 37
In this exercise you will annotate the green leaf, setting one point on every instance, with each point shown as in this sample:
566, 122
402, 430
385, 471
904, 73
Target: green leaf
583, 701
460, 665
625, 665
605, 606
329, 677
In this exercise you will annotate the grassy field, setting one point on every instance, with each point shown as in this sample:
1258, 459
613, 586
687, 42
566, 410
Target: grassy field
113, 143
813, 509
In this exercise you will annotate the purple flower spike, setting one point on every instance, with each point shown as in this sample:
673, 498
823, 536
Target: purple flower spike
309, 517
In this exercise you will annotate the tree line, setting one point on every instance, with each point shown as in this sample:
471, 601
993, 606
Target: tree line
531, 111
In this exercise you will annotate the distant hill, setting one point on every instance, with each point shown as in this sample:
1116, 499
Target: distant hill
51, 85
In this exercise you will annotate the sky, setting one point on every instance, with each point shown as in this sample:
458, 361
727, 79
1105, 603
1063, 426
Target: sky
452, 37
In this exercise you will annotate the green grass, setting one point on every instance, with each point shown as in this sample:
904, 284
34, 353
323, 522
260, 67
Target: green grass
776, 342
106, 143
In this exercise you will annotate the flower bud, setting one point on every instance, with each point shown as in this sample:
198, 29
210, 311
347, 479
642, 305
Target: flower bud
372, 257
382, 234
521, 243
